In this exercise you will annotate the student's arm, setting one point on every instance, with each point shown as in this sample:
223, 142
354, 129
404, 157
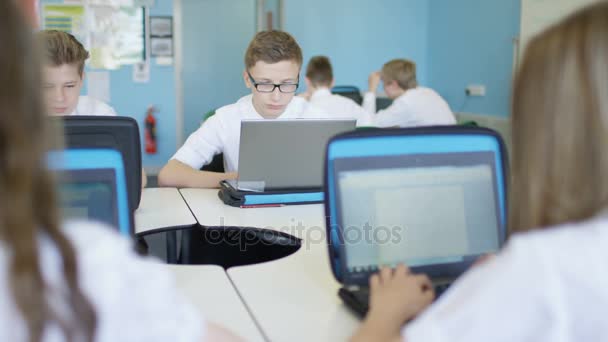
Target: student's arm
183, 170
369, 99
178, 174
396, 296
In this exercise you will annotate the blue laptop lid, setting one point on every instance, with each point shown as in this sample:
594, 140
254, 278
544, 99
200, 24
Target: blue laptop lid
92, 185
433, 198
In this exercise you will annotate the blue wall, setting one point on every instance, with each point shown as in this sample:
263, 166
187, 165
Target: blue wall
215, 35
359, 36
132, 99
470, 42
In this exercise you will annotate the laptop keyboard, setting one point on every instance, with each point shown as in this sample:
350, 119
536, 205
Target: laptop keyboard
358, 300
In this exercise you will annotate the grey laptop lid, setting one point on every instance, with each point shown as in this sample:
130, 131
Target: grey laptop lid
285, 153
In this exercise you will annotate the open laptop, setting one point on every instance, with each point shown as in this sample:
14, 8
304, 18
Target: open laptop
92, 186
285, 154
432, 198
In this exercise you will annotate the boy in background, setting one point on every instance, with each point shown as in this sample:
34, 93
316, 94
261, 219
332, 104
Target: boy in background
412, 105
319, 80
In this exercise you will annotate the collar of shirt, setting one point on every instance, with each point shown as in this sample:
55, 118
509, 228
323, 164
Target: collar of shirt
321, 92
294, 109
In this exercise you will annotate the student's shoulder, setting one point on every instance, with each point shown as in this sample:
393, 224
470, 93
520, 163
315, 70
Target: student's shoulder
89, 236
234, 111
91, 106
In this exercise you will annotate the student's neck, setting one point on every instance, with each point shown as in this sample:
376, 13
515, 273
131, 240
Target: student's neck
398, 93
261, 113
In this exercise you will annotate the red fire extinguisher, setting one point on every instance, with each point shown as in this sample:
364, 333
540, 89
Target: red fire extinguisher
150, 132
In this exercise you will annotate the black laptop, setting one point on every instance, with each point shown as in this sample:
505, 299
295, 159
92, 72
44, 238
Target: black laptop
432, 198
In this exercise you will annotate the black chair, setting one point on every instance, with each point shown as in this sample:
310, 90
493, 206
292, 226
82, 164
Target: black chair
382, 103
216, 165
351, 92
115, 132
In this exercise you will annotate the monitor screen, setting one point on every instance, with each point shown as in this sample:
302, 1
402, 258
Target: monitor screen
89, 194
420, 209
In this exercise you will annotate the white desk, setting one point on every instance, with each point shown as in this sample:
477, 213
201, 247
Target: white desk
293, 298
210, 211
210, 290
162, 208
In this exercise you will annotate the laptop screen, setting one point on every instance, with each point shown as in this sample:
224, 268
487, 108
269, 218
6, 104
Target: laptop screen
419, 209
89, 194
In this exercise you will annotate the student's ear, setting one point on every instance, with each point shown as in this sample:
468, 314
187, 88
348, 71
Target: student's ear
332, 84
246, 79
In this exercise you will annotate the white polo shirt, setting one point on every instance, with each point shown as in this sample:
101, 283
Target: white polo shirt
338, 107
416, 107
134, 298
550, 285
91, 106
221, 133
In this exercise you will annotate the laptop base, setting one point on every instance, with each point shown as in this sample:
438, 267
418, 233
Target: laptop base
357, 299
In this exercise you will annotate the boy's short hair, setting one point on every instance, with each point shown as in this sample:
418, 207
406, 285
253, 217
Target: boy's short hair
401, 70
272, 47
319, 71
62, 48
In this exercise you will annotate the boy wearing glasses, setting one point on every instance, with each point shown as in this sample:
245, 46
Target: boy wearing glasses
272, 66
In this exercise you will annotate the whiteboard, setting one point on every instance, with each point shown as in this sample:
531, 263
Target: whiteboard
537, 15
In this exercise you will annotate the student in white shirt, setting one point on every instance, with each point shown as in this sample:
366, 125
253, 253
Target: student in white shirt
64, 76
319, 80
551, 284
67, 282
272, 66
412, 105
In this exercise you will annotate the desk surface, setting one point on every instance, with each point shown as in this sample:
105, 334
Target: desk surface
210, 211
210, 290
293, 298
162, 208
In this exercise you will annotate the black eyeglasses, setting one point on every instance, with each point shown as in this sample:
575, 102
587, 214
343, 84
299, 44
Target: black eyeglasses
270, 87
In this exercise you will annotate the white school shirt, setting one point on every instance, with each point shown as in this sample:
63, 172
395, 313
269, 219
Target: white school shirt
221, 133
135, 299
550, 285
91, 106
338, 107
416, 107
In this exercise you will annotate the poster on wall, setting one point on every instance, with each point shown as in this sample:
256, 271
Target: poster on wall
117, 36
67, 18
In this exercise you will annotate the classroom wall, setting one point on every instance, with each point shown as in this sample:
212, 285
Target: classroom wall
213, 55
360, 35
471, 42
132, 99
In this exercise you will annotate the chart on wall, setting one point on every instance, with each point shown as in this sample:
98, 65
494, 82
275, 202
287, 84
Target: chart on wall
112, 30
537, 15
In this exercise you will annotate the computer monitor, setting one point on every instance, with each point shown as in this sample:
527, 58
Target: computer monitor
115, 132
432, 198
92, 186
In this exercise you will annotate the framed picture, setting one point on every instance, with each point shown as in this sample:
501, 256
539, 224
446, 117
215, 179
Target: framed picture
161, 26
161, 46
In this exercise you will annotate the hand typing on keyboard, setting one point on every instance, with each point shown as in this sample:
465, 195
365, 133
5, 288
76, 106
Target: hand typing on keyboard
396, 296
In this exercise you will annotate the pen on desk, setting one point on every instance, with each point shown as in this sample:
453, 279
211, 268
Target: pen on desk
262, 205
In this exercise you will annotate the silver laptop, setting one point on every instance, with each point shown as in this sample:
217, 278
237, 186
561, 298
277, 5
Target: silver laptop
285, 153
